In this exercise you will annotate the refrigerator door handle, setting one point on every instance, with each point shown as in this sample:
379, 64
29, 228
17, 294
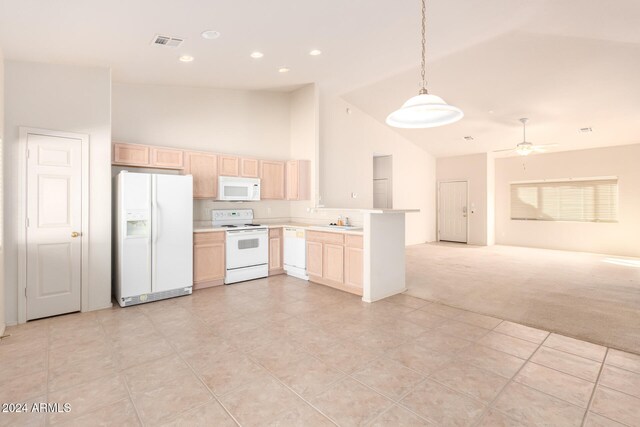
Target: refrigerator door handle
154, 229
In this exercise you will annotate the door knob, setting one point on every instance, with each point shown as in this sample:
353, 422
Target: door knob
75, 234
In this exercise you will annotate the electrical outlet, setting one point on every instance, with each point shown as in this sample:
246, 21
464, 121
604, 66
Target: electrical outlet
354, 195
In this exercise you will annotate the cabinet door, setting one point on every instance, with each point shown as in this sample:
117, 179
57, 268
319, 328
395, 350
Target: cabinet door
208, 262
292, 180
167, 158
228, 165
333, 262
298, 180
314, 259
275, 253
131, 154
272, 179
353, 268
204, 169
249, 168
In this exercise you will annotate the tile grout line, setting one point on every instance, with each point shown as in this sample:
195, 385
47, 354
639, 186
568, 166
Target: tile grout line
124, 381
177, 353
307, 401
595, 387
528, 326
491, 404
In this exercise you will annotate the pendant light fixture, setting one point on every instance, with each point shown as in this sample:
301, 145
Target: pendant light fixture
424, 110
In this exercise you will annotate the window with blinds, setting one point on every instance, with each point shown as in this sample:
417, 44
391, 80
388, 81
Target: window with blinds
589, 200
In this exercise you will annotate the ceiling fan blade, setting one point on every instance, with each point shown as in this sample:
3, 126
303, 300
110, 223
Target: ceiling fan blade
506, 149
542, 148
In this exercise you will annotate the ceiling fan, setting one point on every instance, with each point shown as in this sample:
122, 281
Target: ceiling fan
525, 148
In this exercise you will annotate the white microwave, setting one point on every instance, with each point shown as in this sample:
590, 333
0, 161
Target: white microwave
233, 188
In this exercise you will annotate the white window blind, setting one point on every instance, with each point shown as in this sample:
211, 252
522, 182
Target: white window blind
591, 200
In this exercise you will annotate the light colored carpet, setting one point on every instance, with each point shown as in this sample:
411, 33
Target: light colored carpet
588, 296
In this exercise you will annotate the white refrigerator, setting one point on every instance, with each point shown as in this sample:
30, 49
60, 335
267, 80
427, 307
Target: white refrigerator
154, 237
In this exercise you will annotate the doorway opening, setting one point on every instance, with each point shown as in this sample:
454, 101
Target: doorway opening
382, 182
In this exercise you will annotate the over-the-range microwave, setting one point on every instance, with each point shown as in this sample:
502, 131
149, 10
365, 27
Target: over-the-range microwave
233, 188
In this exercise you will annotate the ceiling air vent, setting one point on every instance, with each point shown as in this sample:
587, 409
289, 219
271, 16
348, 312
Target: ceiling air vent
167, 41
586, 130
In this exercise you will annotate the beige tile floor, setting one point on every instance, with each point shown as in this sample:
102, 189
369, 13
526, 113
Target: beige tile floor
283, 352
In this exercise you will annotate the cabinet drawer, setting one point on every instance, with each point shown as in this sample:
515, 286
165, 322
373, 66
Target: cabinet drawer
275, 232
320, 236
354, 241
208, 237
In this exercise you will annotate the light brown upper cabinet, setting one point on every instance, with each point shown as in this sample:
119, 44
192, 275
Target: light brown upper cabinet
228, 165
272, 179
131, 154
298, 180
167, 158
249, 168
204, 168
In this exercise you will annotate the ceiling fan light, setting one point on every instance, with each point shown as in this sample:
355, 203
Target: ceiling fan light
424, 111
524, 151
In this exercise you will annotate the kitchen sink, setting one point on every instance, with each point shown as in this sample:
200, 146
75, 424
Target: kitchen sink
342, 227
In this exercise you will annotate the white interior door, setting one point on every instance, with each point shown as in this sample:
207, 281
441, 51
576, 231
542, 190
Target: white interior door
452, 213
54, 225
381, 193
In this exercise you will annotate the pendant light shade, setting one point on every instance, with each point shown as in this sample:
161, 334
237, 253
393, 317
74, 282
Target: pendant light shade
424, 110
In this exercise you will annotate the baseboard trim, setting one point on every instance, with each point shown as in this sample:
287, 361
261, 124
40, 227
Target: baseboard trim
207, 284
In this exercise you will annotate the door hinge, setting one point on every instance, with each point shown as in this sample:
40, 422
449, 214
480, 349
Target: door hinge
25, 292
26, 222
28, 153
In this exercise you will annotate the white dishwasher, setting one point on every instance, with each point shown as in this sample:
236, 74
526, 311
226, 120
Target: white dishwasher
295, 252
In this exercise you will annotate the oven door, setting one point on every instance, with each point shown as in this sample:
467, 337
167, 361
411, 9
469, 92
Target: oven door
246, 248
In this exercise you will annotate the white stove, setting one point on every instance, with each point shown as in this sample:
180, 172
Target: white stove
247, 244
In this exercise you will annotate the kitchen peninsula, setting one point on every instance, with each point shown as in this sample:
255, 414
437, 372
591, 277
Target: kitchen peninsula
367, 261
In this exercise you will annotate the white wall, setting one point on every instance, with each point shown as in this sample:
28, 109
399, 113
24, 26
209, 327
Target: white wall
2, 290
348, 143
474, 169
250, 123
72, 99
619, 238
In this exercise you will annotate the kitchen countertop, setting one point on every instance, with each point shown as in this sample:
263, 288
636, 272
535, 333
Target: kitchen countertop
314, 227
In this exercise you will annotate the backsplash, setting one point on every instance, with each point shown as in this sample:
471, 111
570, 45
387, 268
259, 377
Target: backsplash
276, 211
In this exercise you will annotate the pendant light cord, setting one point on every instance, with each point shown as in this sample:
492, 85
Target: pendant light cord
423, 64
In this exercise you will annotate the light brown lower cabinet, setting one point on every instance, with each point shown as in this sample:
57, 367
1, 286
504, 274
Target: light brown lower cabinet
276, 265
335, 259
208, 259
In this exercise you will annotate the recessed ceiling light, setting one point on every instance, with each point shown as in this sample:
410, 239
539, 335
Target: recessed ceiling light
257, 55
186, 58
284, 69
469, 138
315, 52
586, 130
210, 34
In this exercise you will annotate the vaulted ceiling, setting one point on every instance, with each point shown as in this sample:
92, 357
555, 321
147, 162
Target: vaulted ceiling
564, 64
